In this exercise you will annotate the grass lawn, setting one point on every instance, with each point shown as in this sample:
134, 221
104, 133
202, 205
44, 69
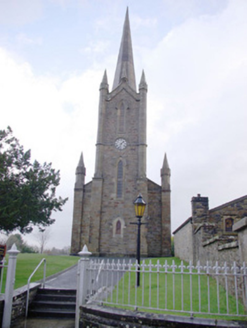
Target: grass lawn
26, 263
168, 292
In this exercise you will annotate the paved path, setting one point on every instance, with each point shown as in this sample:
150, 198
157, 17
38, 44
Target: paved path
66, 279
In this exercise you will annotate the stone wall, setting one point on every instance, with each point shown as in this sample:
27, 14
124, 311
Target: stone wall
214, 249
183, 245
19, 301
241, 228
92, 316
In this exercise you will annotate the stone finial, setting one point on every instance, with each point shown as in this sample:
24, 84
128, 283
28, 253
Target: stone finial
84, 252
13, 252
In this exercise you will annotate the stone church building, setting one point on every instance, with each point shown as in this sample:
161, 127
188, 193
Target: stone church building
103, 208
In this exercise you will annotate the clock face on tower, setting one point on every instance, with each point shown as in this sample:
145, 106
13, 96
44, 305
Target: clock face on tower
120, 143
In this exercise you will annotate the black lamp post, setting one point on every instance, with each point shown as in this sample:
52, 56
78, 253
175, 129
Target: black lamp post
140, 206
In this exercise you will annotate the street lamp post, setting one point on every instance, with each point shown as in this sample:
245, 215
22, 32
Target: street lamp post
140, 206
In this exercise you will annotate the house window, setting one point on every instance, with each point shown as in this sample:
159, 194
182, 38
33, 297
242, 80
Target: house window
120, 179
228, 224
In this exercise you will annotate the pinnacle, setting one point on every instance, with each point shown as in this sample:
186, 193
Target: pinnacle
143, 83
165, 163
81, 161
104, 83
81, 167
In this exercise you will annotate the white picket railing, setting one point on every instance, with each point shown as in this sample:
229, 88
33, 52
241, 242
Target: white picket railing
2, 266
169, 287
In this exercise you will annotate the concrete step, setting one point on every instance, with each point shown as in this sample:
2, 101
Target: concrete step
51, 303
56, 298
56, 291
51, 313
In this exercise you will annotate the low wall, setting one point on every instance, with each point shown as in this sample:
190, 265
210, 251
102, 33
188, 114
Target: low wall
214, 251
98, 316
19, 301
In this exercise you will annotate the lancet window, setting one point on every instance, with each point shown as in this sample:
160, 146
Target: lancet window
120, 179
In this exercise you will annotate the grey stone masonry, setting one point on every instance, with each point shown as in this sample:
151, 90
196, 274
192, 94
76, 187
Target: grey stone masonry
241, 228
103, 208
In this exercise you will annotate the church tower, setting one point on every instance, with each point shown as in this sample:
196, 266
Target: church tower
103, 208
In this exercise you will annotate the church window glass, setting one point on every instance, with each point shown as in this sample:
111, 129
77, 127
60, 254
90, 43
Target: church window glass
120, 179
118, 228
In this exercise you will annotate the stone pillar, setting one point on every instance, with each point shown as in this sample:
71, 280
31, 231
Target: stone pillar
165, 174
96, 208
101, 119
82, 282
78, 207
142, 120
10, 283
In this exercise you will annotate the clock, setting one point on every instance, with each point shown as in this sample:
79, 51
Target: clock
120, 143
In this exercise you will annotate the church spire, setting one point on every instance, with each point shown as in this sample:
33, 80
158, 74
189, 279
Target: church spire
125, 64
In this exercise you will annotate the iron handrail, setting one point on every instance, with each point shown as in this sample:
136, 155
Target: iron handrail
29, 279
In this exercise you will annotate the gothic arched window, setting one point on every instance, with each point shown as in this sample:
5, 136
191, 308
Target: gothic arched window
120, 179
118, 228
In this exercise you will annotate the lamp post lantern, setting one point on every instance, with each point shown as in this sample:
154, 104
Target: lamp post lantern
140, 206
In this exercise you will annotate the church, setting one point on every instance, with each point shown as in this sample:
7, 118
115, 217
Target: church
103, 208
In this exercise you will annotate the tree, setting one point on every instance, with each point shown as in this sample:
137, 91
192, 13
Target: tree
43, 238
3, 239
27, 190
21, 245
15, 239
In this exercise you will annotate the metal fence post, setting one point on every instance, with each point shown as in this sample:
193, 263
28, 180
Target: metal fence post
10, 282
82, 282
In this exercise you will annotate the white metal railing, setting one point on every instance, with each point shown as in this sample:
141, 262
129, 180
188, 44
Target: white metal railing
170, 286
2, 266
29, 280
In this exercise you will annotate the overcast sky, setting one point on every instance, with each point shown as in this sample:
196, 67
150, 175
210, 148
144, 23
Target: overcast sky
53, 54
